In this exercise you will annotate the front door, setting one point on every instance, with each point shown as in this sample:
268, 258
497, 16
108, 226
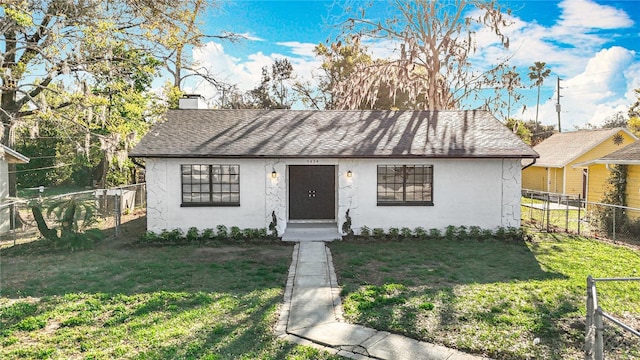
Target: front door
312, 192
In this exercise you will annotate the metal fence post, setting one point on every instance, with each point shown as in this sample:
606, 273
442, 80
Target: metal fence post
579, 208
548, 209
614, 224
599, 351
589, 330
566, 220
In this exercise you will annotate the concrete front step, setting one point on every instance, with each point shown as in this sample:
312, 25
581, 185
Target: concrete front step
311, 232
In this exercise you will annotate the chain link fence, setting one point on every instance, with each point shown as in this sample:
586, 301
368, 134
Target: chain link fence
608, 334
552, 212
107, 206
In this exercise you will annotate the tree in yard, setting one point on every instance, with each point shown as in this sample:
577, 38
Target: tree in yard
511, 82
435, 40
174, 40
634, 115
95, 49
520, 128
274, 90
339, 61
537, 73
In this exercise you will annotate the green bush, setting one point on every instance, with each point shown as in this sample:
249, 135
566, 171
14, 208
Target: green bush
378, 233
394, 233
236, 233
475, 232
435, 234
461, 233
193, 234
450, 233
420, 233
222, 232
406, 233
208, 234
365, 232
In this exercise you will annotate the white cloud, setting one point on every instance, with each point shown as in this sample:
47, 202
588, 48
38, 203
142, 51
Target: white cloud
246, 72
590, 15
602, 89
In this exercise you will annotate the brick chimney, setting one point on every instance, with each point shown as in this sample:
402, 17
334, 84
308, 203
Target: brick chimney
192, 101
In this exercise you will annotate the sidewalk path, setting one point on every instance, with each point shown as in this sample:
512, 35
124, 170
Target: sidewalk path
312, 315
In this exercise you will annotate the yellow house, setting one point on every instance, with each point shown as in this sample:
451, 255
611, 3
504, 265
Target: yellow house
556, 171
599, 171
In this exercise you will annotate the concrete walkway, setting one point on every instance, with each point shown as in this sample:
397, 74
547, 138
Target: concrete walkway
312, 315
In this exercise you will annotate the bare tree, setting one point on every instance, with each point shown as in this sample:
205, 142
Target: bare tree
435, 40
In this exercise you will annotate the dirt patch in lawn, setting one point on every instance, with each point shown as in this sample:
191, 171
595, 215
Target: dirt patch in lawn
231, 252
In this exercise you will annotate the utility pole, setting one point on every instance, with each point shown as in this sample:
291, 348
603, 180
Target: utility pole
558, 107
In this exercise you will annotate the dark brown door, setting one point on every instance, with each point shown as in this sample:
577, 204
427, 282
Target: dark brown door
312, 192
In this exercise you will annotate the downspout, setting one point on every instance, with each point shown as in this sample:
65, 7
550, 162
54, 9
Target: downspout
533, 162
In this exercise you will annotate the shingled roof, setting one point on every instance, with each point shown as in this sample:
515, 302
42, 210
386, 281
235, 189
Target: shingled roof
562, 148
628, 155
295, 133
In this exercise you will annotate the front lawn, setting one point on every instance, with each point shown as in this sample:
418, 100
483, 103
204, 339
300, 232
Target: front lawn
506, 301
212, 301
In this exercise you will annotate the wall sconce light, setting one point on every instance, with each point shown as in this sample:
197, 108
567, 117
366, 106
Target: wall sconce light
274, 174
349, 173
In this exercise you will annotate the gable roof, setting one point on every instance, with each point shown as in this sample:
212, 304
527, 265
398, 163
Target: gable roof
11, 156
562, 148
335, 133
628, 155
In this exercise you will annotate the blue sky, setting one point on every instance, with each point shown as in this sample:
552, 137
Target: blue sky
593, 46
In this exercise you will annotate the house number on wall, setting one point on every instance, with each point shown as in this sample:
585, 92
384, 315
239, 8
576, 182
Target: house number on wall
313, 161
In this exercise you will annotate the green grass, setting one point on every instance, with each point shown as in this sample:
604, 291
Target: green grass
490, 298
216, 301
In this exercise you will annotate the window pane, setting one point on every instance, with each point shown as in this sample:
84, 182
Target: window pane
210, 184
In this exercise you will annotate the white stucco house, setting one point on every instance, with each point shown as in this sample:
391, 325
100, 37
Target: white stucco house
7, 156
388, 168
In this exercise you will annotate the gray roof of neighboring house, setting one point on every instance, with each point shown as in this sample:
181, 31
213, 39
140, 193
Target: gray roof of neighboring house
11, 156
335, 133
629, 154
562, 148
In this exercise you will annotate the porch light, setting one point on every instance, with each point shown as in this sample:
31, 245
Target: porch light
274, 174
349, 173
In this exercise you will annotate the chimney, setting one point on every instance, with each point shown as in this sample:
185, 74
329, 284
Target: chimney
192, 101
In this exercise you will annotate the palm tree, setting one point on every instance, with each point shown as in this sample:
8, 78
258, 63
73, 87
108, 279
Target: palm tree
538, 73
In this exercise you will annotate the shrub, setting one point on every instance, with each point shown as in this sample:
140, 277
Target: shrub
208, 234
378, 233
365, 232
435, 233
193, 234
174, 235
236, 233
475, 232
273, 225
221, 232
486, 234
346, 226
406, 233
462, 233
149, 237
420, 233
450, 232
262, 233
500, 233
394, 233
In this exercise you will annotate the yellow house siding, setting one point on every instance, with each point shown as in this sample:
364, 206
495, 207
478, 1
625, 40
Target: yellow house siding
574, 175
534, 178
557, 174
633, 190
598, 175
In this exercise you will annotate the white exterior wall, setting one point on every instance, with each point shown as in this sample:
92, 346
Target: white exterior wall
481, 192
4, 193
